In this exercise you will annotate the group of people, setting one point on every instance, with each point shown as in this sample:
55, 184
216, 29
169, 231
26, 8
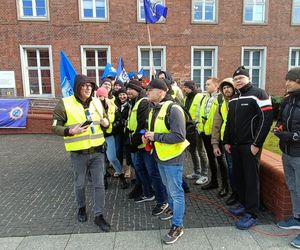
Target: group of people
148, 126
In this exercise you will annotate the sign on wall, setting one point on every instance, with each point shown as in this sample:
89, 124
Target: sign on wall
7, 83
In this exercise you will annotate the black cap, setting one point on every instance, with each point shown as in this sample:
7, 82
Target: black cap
157, 84
190, 84
134, 84
240, 71
293, 75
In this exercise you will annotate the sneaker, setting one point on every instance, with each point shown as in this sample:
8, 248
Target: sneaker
82, 216
202, 180
167, 215
237, 211
141, 199
173, 235
159, 209
246, 222
296, 242
290, 223
193, 176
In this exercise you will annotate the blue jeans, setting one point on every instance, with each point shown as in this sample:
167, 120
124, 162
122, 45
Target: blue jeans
172, 178
94, 163
112, 155
122, 148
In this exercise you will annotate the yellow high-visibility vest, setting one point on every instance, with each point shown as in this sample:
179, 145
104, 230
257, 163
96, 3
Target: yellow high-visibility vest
224, 113
76, 115
166, 151
193, 108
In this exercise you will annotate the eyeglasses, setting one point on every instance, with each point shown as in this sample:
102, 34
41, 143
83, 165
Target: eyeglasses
87, 85
238, 78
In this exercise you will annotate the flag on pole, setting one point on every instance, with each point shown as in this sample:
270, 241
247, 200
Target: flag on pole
13, 113
67, 75
141, 73
154, 11
121, 72
109, 71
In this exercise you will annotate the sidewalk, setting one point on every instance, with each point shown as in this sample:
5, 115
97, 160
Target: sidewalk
37, 208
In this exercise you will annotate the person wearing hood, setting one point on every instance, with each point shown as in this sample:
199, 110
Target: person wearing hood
85, 143
227, 90
177, 93
287, 129
249, 120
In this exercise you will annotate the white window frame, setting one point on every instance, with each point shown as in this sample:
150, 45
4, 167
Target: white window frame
291, 49
205, 21
142, 20
25, 68
215, 62
94, 18
34, 17
263, 61
84, 68
293, 13
264, 22
164, 57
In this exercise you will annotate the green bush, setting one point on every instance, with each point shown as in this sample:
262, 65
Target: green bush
276, 103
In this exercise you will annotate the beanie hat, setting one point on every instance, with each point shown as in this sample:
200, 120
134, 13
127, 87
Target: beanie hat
106, 80
134, 84
293, 75
190, 84
118, 82
157, 84
240, 71
121, 90
102, 92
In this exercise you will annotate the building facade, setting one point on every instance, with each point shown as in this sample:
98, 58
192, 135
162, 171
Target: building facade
199, 38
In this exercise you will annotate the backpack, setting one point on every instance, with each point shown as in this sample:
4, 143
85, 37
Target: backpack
190, 125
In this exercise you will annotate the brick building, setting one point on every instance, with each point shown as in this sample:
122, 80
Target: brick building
199, 38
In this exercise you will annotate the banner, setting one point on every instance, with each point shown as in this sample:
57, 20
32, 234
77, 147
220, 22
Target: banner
13, 113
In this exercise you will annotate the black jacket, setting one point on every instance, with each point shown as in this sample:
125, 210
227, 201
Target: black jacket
249, 117
121, 117
289, 118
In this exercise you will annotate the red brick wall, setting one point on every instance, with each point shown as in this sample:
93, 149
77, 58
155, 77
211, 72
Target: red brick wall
124, 34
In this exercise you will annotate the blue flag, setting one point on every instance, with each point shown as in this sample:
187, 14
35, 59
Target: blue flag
154, 11
109, 71
131, 74
121, 72
67, 75
13, 113
141, 73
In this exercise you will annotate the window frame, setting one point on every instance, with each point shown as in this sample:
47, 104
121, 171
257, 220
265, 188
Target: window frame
84, 68
216, 14
139, 19
265, 22
32, 18
215, 62
93, 19
292, 15
24, 66
263, 59
290, 57
150, 49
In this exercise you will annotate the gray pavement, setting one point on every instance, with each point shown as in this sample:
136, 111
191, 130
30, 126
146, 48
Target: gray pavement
37, 209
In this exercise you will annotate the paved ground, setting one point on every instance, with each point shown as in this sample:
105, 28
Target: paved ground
36, 195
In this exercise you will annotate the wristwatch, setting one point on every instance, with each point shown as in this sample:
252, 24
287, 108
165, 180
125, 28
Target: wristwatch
295, 137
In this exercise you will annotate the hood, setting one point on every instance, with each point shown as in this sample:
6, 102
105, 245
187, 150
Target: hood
79, 80
167, 75
226, 81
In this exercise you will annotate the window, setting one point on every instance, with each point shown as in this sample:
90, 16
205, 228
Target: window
94, 60
204, 11
33, 9
141, 10
154, 58
93, 10
254, 60
294, 57
37, 70
204, 64
296, 12
255, 11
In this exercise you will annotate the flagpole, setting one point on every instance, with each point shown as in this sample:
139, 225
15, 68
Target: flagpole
151, 56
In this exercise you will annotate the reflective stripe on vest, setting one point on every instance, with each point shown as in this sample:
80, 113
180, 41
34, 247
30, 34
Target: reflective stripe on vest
166, 151
76, 115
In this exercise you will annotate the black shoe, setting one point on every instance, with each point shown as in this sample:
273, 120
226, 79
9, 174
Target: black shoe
107, 174
124, 183
232, 199
82, 216
187, 190
223, 192
99, 221
136, 192
159, 209
210, 186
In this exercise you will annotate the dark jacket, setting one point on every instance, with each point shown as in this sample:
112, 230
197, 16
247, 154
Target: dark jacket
289, 119
249, 117
121, 117
189, 98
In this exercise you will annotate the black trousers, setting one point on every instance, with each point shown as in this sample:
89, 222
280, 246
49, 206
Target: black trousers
246, 176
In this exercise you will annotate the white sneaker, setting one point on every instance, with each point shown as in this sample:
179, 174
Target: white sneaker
202, 180
192, 176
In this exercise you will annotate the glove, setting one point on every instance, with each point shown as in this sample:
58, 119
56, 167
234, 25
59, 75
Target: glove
284, 136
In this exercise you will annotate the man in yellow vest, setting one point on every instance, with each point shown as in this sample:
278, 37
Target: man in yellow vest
85, 143
169, 144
